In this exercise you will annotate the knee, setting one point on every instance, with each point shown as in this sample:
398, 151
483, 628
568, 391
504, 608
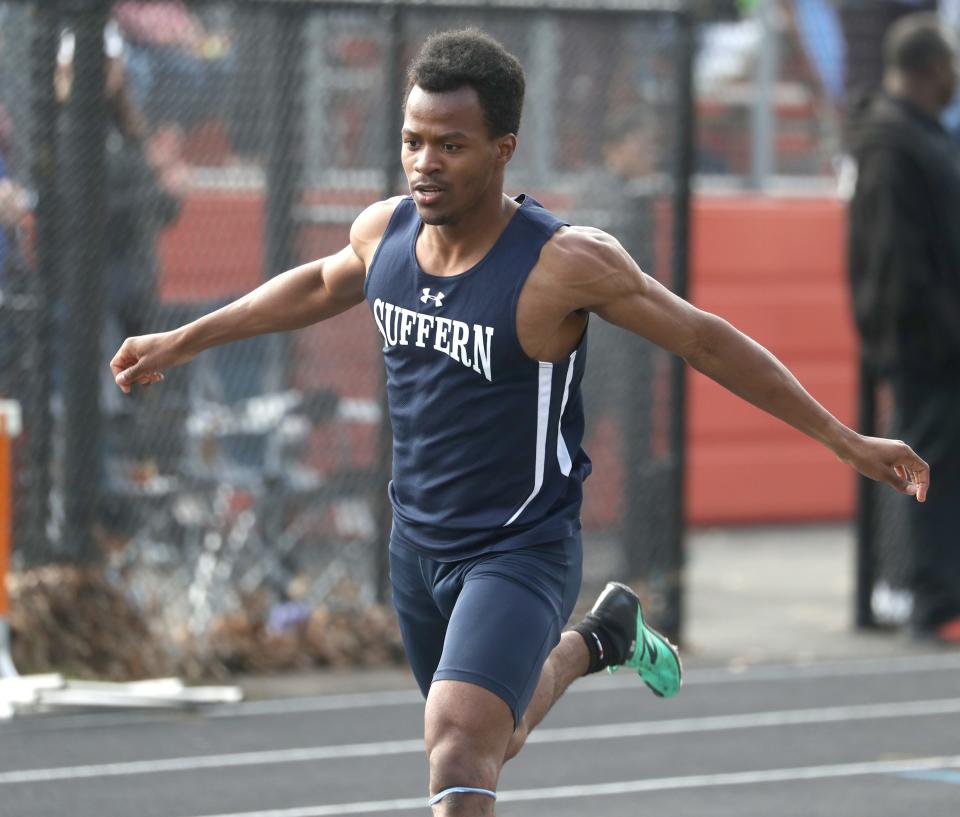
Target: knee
467, 729
458, 756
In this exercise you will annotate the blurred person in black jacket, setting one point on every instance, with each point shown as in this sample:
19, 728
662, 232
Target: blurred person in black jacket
145, 182
904, 265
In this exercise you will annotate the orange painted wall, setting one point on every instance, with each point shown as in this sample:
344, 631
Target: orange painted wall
773, 267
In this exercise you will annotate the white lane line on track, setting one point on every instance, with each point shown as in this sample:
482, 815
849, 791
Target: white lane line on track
623, 680
755, 720
902, 665
934, 776
207, 762
716, 723
700, 781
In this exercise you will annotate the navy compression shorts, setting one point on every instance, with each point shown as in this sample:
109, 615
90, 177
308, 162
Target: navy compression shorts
490, 620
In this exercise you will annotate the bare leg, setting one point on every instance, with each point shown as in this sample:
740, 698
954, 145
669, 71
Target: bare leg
466, 729
469, 730
568, 661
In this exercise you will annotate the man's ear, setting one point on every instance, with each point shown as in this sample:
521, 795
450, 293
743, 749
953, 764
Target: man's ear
506, 147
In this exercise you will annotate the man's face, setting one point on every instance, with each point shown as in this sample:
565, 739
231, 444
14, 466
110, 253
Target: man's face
945, 77
448, 155
952, 78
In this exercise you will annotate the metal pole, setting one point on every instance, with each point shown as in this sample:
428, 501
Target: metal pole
34, 477
393, 114
686, 124
284, 136
866, 568
84, 198
545, 46
642, 538
393, 109
284, 122
763, 124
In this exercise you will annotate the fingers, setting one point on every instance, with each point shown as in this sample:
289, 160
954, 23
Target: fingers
136, 376
919, 476
149, 379
897, 479
123, 366
129, 369
917, 473
912, 475
120, 363
127, 372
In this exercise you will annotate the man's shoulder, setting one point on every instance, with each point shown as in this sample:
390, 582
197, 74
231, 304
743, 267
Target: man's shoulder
582, 266
571, 251
372, 223
893, 125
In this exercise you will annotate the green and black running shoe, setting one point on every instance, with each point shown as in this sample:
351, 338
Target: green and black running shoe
636, 645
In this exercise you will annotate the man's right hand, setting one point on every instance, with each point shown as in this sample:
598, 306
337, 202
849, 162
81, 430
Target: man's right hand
140, 361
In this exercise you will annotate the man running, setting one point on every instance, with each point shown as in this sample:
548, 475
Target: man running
483, 302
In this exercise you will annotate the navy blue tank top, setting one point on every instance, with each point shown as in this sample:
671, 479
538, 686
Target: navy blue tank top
486, 440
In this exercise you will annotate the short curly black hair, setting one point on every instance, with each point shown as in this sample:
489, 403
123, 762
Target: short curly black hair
450, 60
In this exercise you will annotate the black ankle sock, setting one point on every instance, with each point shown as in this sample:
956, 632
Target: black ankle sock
597, 641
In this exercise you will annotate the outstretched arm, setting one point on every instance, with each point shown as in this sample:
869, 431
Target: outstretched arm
617, 291
296, 298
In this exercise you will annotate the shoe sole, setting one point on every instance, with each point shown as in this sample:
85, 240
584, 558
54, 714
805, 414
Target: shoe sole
665, 678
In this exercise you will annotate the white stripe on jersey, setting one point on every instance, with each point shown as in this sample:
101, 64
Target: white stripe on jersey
544, 389
563, 455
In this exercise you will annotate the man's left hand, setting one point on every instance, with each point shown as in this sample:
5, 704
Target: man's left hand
893, 462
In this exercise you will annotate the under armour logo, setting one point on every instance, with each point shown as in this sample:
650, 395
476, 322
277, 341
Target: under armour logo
437, 299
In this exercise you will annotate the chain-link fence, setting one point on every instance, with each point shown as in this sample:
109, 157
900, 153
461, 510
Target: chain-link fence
217, 144
770, 93
775, 80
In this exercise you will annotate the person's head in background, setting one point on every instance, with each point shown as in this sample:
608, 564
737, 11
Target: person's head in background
920, 62
630, 144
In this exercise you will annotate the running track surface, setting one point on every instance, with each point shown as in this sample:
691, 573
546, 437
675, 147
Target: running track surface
860, 738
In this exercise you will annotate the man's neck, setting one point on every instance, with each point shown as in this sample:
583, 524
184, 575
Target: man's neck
917, 94
452, 244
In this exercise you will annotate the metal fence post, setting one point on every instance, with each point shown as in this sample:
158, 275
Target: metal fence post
84, 218
33, 500
763, 122
284, 118
684, 161
393, 82
284, 135
866, 566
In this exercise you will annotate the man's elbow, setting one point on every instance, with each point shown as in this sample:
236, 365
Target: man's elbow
705, 342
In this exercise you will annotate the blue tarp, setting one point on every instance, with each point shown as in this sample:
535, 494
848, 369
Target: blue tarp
821, 34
